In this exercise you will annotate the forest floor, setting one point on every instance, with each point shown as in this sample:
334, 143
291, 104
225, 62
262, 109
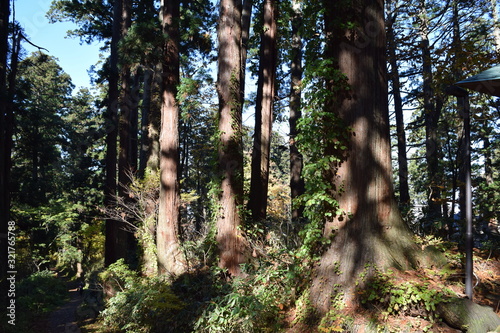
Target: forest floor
486, 292
63, 319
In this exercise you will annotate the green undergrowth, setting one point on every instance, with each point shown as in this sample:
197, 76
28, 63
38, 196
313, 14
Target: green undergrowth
140, 304
35, 297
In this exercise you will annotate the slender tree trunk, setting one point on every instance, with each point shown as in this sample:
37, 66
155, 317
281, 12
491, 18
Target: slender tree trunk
296, 180
264, 114
496, 28
134, 122
112, 226
146, 142
246, 19
230, 151
370, 230
431, 117
404, 194
170, 256
125, 105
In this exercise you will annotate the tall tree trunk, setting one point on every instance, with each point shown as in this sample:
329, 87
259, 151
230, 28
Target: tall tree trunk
496, 28
264, 114
125, 105
170, 256
404, 194
134, 121
246, 20
370, 229
296, 164
230, 151
112, 244
146, 142
431, 117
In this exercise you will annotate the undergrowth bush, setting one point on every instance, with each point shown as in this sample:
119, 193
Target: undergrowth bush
141, 304
41, 292
394, 297
247, 306
36, 295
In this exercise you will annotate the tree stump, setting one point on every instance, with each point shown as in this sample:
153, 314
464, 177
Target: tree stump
468, 316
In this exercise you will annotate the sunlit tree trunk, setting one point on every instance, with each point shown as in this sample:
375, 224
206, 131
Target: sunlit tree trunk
369, 231
264, 114
170, 257
496, 28
230, 150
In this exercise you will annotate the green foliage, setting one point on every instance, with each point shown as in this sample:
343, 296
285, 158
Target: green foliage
41, 292
394, 297
251, 305
36, 295
140, 304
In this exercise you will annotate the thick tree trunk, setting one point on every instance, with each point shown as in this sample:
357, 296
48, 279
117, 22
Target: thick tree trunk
468, 316
370, 230
264, 115
112, 244
170, 257
404, 195
230, 151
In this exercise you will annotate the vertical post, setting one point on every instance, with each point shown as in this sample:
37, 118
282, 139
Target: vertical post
469, 242
464, 111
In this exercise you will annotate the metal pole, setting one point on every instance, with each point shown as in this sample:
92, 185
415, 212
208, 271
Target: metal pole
469, 242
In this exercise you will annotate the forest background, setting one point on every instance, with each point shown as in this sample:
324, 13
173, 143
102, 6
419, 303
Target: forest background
151, 188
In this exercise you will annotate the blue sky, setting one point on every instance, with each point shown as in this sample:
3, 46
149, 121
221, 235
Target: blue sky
75, 58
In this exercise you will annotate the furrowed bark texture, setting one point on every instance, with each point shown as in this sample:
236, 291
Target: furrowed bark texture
170, 256
230, 152
370, 231
264, 115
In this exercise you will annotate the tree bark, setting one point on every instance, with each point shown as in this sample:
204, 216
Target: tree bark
125, 105
146, 140
431, 118
230, 151
369, 231
112, 244
170, 257
468, 316
264, 114
296, 163
404, 195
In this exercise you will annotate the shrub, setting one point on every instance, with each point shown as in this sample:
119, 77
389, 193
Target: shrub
41, 292
141, 304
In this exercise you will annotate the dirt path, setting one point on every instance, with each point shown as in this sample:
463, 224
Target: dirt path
64, 318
